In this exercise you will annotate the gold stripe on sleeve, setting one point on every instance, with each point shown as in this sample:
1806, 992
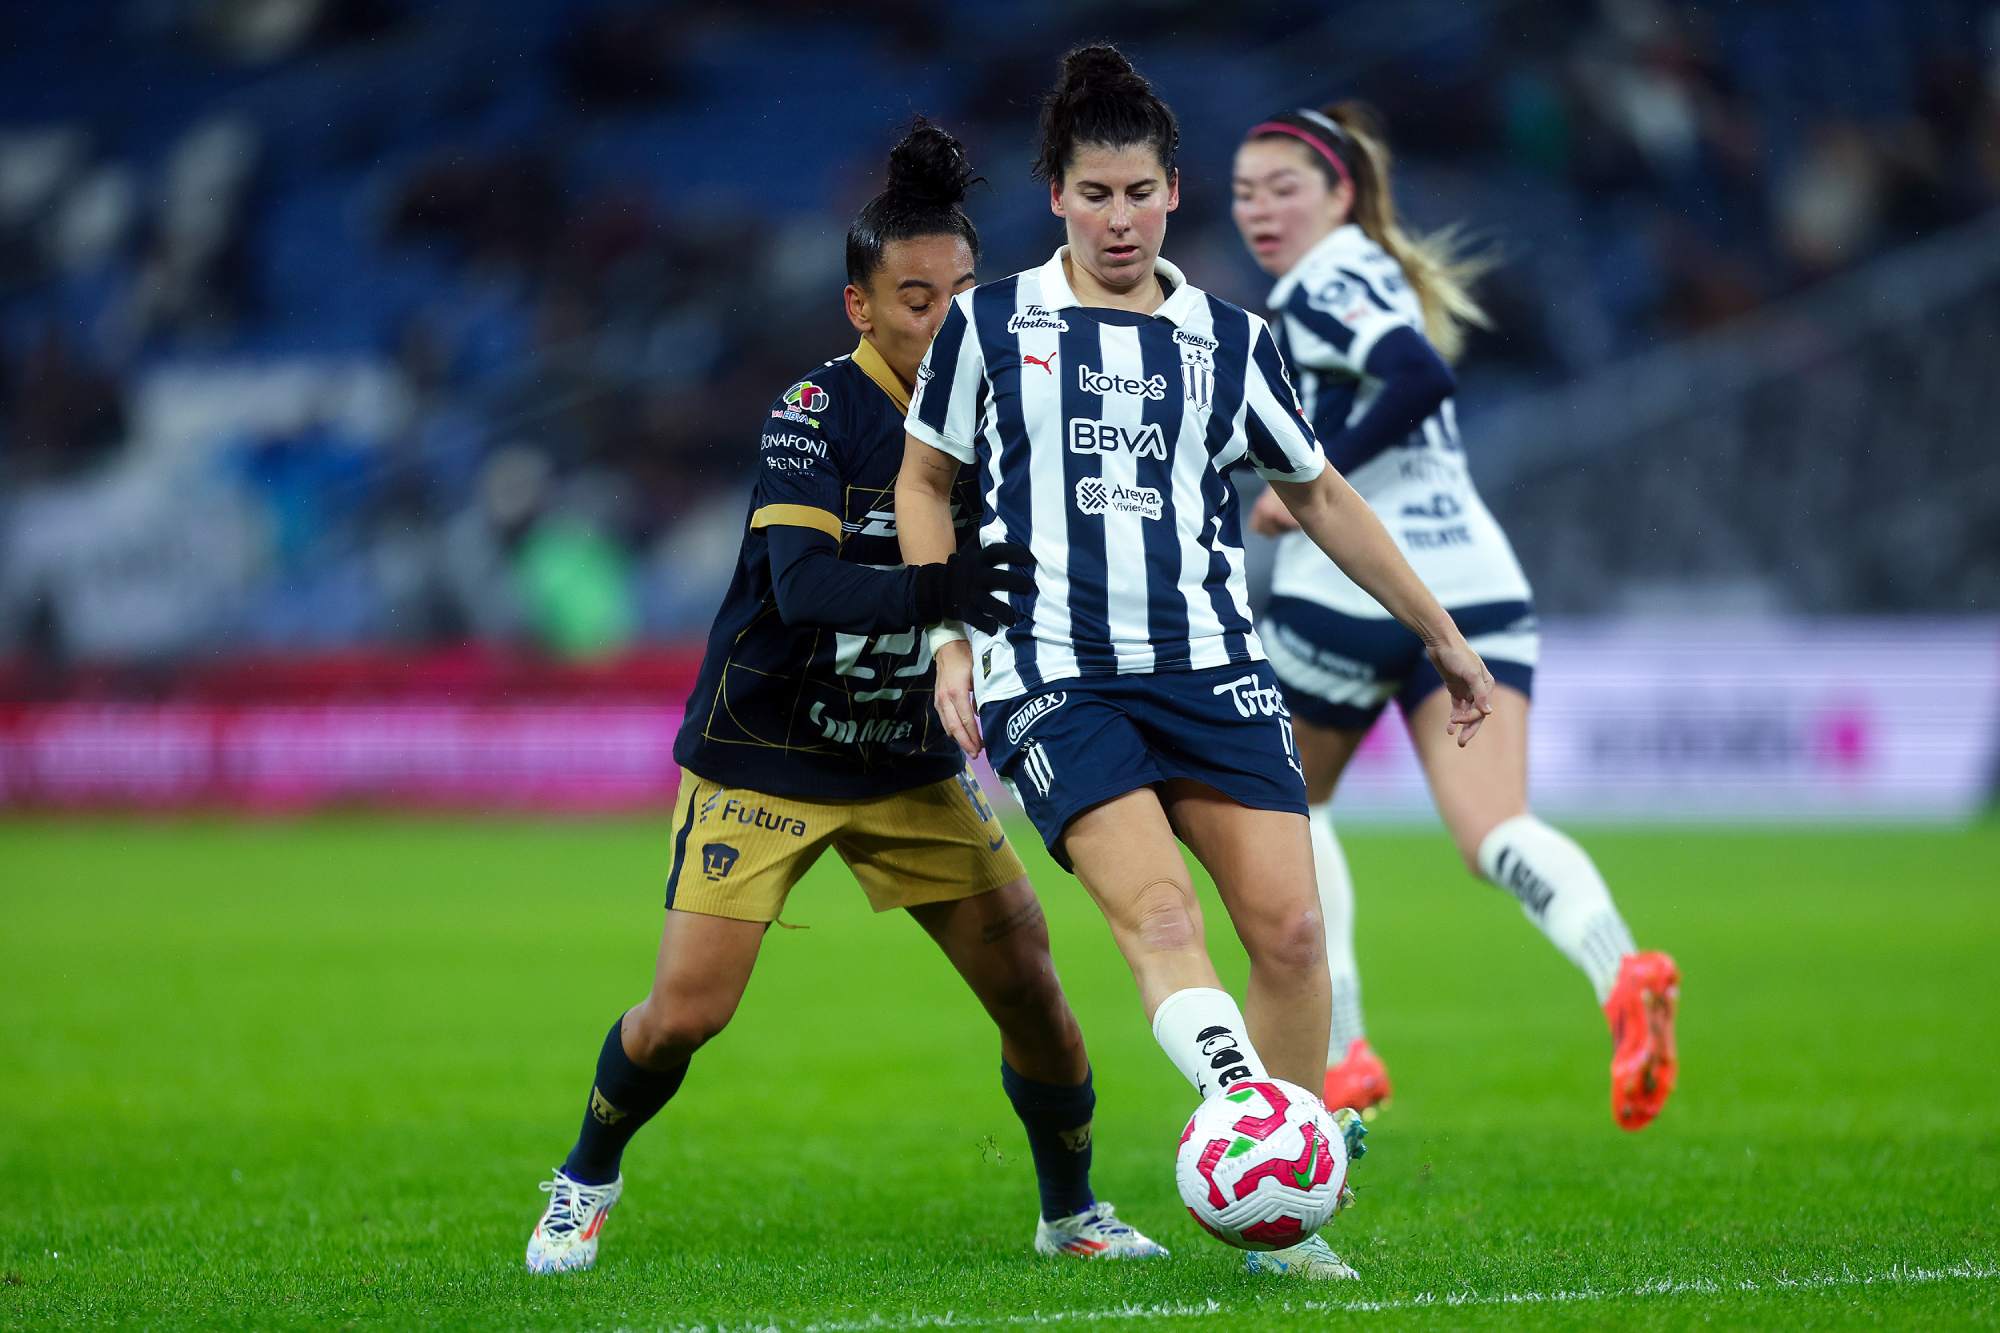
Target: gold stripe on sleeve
797, 516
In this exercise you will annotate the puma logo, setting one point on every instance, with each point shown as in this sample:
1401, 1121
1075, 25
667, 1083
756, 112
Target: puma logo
1043, 362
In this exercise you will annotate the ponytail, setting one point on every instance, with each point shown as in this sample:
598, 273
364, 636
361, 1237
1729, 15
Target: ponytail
1439, 268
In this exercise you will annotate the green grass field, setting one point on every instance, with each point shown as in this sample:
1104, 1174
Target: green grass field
309, 1075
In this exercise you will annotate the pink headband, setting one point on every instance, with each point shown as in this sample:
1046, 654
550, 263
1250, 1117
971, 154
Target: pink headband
1325, 149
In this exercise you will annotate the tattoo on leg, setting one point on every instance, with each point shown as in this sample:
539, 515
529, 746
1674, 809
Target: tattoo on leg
1027, 914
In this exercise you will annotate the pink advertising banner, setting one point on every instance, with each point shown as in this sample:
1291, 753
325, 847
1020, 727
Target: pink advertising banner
1653, 720
569, 757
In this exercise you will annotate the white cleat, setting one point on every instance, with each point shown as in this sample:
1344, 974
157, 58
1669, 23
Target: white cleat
1312, 1258
1095, 1233
565, 1240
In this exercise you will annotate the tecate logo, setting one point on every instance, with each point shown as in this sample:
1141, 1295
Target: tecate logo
1252, 699
1094, 495
1031, 712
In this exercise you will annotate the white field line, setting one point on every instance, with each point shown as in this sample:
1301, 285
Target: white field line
1900, 1275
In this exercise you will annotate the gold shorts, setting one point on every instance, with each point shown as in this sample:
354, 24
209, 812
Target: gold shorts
737, 853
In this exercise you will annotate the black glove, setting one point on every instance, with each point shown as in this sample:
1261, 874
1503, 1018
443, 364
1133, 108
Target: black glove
963, 587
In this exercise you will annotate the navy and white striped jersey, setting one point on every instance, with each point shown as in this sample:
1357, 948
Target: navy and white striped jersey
1330, 311
1102, 440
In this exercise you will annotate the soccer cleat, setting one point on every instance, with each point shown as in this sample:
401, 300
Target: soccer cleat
1312, 1258
1095, 1233
1352, 1131
1360, 1080
565, 1239
1641, 1013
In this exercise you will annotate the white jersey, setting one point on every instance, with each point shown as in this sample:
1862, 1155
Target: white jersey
1103, 440
1331, 310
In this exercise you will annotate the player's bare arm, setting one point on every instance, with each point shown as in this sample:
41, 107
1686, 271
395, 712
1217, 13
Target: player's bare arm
923, 526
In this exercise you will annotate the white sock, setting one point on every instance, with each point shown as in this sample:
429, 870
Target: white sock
1203, 1033
1336, 910
1561, 891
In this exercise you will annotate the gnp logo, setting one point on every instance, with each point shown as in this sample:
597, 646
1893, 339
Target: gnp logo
1102, 382
1031, 712
808, 397
1102, 437
1095, 495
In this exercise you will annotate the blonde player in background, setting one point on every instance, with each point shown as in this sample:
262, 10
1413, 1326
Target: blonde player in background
1369, 316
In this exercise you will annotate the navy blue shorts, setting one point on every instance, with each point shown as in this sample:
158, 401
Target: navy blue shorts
1341, 671
1085, 741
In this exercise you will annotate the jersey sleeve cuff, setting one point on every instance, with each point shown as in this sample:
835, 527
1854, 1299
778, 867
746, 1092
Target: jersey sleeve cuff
797, 516
1370, 333
944, 445
1313, 467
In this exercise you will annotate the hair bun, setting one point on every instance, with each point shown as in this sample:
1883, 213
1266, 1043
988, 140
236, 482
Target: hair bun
929, 168
1099, 69
1101, 99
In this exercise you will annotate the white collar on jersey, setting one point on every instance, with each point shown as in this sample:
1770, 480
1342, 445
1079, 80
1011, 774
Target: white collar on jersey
1340, 238
1181, 304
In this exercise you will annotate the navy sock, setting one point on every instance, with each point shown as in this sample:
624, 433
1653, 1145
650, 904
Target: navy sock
1057, 1119
624, 1097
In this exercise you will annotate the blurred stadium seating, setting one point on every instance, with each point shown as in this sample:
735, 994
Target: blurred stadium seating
378, 326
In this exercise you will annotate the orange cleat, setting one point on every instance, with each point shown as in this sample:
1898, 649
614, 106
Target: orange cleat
1641, 1013
1360, 1080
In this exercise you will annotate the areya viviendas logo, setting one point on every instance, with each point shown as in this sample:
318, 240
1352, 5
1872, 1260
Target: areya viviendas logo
1094, 495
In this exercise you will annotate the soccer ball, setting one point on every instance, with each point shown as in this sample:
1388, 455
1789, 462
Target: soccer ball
1261, 1165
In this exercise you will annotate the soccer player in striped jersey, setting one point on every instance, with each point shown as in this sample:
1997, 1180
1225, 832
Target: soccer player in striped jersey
1369, 318
810, 727
1101, 401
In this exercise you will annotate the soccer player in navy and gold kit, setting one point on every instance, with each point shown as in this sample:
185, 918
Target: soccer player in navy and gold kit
811, 727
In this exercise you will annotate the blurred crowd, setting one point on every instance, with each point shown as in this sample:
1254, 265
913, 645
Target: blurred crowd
391, 321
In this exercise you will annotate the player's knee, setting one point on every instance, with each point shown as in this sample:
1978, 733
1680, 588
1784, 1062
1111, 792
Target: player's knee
1292, 938
1028, 987
658, 1035
1164, 917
